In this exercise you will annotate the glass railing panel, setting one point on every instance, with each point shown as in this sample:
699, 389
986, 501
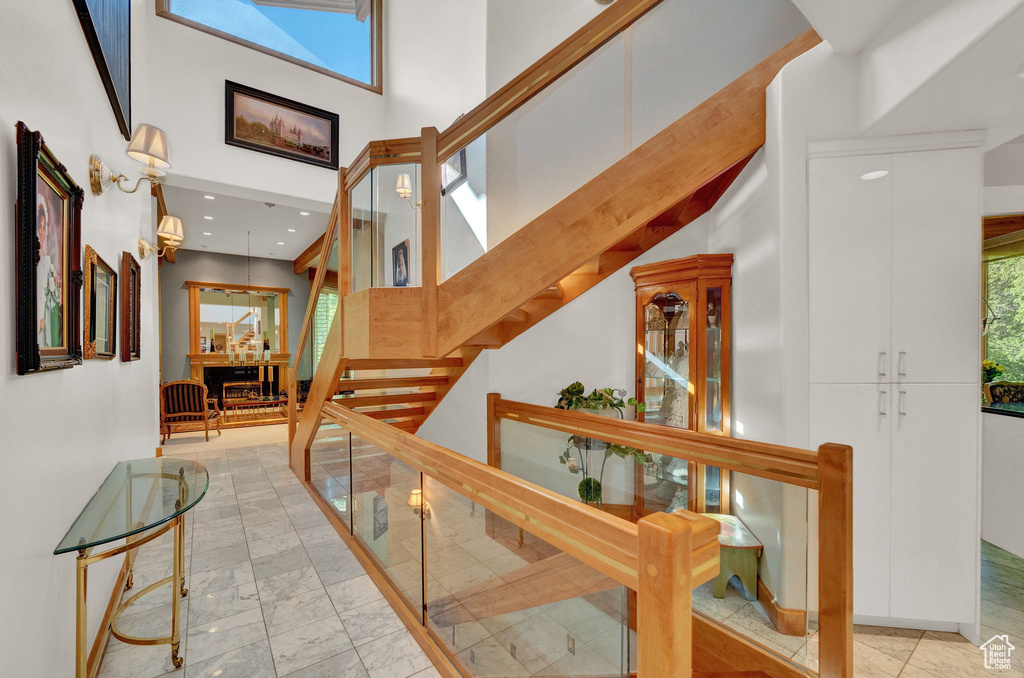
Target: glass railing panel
325, 304
361, 239
507, 603
464, 207
330, 468
671, 60
383, 520
578, 467
395, 221
762, 590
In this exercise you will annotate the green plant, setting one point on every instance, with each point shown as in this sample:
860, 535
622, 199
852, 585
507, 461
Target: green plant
572, 398
990, 371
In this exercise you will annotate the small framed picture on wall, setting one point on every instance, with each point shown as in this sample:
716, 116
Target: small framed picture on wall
131, 308
400, 264
100, 307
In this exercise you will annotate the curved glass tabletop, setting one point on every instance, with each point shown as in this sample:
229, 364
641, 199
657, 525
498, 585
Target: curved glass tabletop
138, 495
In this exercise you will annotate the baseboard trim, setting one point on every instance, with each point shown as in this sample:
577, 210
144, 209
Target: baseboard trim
787, 621
428, 642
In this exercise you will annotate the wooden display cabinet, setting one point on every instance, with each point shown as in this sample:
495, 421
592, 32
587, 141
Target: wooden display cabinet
683, 325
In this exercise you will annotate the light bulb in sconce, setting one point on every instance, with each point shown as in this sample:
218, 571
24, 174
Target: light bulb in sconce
403, 186
170, 233
417, 503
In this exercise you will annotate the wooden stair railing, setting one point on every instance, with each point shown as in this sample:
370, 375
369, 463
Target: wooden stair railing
663, 557
828, 470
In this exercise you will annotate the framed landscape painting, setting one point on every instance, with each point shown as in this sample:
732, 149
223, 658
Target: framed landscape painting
260, 121
48, 259
100, 307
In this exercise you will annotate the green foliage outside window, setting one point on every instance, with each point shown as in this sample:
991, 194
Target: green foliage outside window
323, 316
1004, 343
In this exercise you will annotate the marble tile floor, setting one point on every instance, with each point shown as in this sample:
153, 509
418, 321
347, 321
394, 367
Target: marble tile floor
258, 605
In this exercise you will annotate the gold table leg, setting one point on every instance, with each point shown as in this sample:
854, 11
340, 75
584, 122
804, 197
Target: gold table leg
81, 633
177, 586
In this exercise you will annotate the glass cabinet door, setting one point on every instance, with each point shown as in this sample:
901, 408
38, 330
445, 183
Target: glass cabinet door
713, 366
667, 392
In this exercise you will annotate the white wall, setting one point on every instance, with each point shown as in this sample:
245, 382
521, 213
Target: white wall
188, 68
1002, 501
63, 431
434, 63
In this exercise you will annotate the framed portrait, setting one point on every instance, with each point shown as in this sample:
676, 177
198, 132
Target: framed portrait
264, 122
453, 172
100, 307
48, 259
400, 264
131, 308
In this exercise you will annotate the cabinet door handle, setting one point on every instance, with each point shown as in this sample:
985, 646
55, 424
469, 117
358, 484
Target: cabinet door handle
903, 403
882, 398
901, 364
882, 360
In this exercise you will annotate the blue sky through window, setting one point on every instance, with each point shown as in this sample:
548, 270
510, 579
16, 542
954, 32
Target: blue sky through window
331, 40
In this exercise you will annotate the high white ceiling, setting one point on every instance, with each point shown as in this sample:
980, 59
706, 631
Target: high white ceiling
234, 218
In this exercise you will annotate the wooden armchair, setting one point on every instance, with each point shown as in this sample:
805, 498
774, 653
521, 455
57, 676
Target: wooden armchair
186, 402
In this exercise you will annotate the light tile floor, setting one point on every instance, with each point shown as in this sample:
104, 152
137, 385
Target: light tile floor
273, 590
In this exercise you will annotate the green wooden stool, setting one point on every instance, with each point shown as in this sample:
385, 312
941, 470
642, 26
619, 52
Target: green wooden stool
739, 554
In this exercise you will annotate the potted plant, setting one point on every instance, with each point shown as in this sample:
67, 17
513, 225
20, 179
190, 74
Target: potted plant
990, 371
606, 402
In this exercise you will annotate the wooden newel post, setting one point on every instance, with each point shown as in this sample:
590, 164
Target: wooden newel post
430, 210
493, 431
664, 605
835, 561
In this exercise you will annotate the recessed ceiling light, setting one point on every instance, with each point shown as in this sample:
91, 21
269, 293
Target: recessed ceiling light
207, 233
877, 174
280, 243
209, 197
291, 230
208, 218
305, 214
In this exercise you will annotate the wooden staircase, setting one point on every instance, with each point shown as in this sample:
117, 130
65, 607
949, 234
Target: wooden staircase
638, 202
401, 393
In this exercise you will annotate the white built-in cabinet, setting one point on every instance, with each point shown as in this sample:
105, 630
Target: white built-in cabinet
894, 356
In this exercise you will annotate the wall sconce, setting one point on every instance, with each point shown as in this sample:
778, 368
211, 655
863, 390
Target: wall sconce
403, 187
148, 146
171, 231
417, 503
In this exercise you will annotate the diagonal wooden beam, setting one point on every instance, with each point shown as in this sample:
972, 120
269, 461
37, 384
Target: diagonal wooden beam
309, 255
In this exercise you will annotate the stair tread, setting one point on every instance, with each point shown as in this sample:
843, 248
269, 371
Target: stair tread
401, 364
391, 399
358, 384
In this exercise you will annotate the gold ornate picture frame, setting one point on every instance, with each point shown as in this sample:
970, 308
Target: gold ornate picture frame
100, 295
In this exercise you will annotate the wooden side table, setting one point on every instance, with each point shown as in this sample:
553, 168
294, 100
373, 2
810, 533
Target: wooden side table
139, 501
739, 554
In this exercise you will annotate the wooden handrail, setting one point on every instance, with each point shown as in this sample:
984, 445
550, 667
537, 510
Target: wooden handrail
602, 541
789, 465
382, 152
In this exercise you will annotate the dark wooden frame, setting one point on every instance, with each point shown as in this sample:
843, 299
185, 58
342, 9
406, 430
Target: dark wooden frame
34, 158
163, 10
92, 262
131, 308
400, 247
232, 88
107, 27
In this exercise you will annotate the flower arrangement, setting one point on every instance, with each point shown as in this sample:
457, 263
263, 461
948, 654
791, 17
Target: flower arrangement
990, 371
572, 398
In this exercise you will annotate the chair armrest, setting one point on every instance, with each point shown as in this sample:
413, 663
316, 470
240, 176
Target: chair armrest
213, 401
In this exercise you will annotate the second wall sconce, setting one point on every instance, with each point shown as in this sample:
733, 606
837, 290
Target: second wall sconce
171, 231
148, 146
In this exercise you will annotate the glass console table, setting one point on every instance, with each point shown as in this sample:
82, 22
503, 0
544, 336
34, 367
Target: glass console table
139, 501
